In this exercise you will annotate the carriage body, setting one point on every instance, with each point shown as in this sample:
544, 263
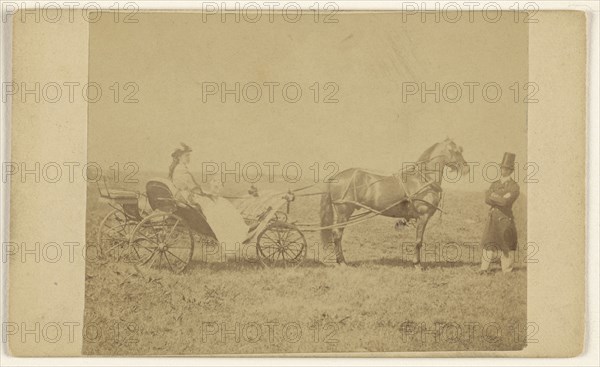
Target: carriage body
159, 230
165, 239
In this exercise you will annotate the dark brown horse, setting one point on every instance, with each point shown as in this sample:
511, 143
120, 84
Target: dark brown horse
413, 193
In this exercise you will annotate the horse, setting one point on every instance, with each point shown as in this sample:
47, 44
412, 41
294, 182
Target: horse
412, 193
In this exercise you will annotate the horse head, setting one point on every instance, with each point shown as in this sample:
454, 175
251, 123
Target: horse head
453, 154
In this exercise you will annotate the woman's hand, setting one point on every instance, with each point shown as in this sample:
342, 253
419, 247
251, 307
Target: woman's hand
198, 190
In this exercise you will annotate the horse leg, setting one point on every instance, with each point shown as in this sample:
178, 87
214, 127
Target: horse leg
344, 212
421, 224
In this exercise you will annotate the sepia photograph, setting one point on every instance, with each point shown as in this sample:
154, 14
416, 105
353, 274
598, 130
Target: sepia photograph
288, 192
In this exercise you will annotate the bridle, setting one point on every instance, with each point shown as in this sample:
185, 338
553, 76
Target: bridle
429, 183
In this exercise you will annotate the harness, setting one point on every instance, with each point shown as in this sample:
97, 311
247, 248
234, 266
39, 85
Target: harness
410, 197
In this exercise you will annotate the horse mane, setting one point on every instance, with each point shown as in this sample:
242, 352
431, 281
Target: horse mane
427, 153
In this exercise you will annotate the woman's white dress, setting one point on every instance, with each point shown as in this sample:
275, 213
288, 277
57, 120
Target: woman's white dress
222, 217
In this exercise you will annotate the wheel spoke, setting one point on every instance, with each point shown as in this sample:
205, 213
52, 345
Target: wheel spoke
147, 248
177, 257
296, 238
149, 239
178, 260
155, 232
119, 244
181, 242
298, 254
153, 261
264, 247
291, 257
172, 229
168, 262
114, 231
269, 237
270, 243
137, 254
109, 241
265, 254
121, 230
279, 240
287, 233
291, 244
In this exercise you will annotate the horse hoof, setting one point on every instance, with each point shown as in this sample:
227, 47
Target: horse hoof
342, 265
418, 267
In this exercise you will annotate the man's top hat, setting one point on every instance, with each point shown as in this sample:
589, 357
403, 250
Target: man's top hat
508, 161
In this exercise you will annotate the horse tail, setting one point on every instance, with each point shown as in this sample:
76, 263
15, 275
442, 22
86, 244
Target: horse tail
326, 218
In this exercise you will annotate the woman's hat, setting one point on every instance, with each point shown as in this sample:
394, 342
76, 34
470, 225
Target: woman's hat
181, 151
508, 161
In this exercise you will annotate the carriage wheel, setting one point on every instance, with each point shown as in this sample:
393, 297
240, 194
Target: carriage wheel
281, 243
113, 235
163, 241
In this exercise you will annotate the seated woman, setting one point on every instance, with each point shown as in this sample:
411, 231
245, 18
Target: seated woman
222, 217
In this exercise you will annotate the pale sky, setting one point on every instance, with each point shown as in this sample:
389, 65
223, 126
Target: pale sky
169, 56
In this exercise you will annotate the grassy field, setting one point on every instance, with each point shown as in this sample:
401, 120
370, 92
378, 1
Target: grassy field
225, 303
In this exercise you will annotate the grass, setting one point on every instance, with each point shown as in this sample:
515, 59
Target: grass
227, 304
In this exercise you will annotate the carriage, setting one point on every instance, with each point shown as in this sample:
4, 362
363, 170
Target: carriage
165, 236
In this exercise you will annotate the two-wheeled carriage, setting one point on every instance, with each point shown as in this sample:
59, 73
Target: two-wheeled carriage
166, 237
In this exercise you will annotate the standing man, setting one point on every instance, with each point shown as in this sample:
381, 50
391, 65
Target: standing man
500, 235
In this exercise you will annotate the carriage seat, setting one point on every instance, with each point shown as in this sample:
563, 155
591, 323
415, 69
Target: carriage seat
122, 194
160, 195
